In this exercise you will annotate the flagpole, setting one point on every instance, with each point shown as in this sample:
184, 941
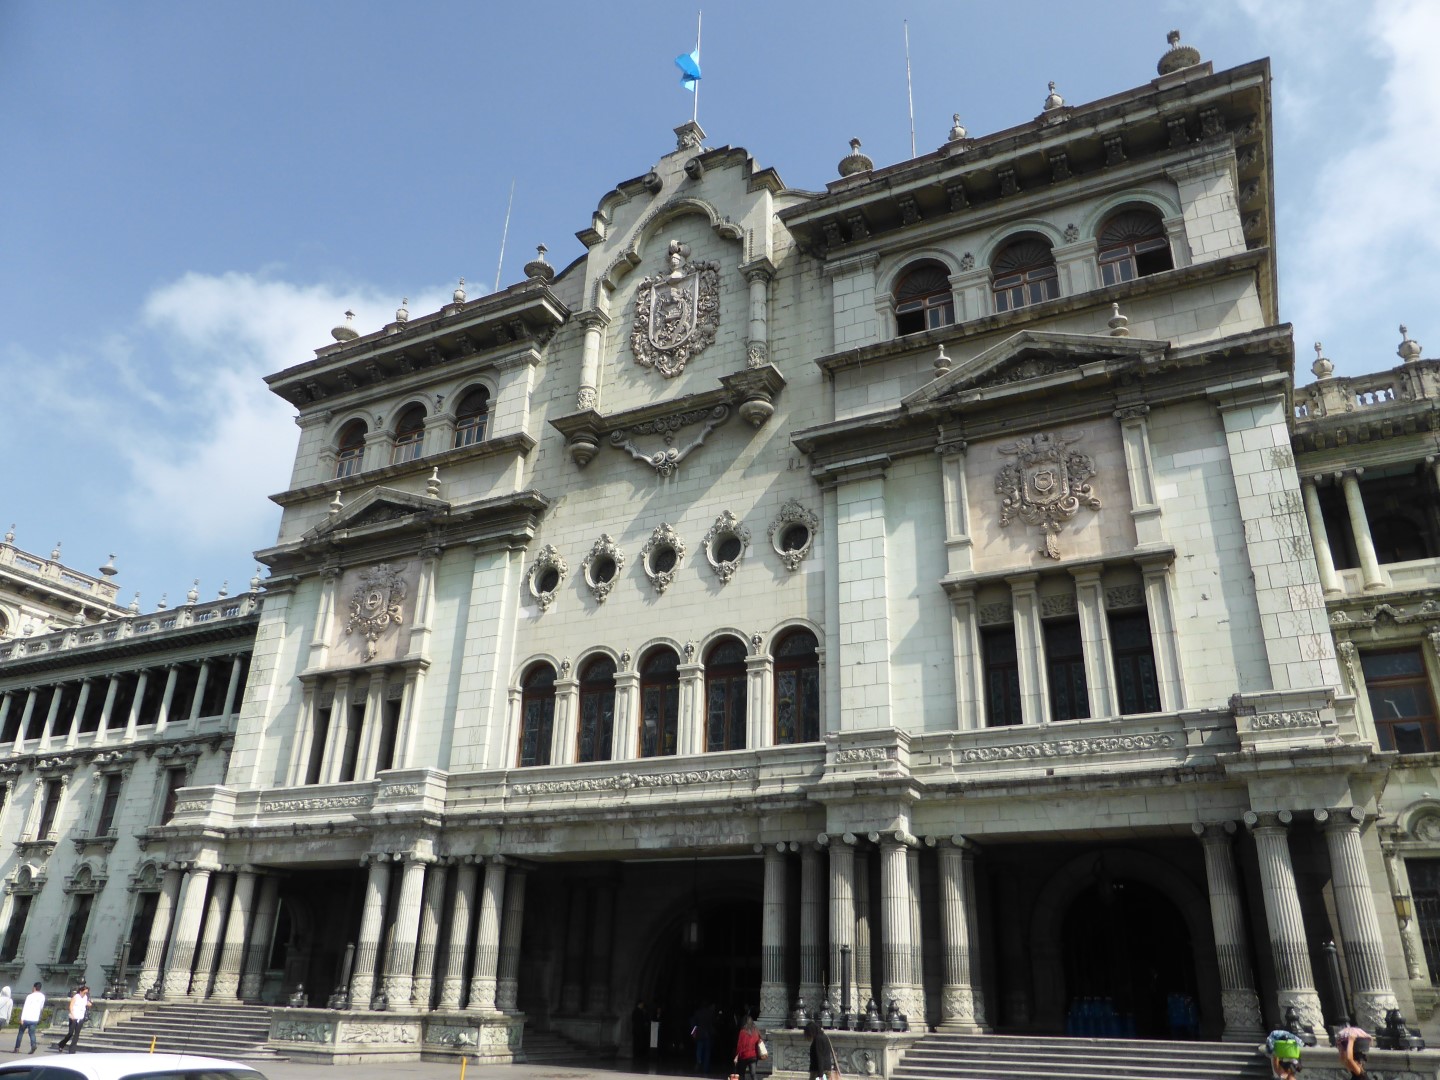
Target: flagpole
695, 113
909, 91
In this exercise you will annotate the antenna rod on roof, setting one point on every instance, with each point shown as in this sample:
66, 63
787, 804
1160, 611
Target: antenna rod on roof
909, 90
695, 112
504, 234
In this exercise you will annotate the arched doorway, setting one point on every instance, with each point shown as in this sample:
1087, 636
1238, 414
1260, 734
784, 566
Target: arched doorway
1128, 962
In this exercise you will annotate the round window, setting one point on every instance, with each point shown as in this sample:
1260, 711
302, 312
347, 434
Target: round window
603, 569
727, 548
794, 538
548, 581
662, 560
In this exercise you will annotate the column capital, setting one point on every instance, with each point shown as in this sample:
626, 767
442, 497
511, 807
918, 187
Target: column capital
1268, 819
1214, 831
1132, 413
1345, 817
958, 842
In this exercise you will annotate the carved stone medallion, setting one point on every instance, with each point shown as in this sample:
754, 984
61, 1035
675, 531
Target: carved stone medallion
1046, 486
376, 604
676, 313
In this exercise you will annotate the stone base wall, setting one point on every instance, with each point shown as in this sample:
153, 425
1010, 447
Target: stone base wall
860, 1054
323, 1036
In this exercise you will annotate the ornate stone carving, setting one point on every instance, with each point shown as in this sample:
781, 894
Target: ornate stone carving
376, 604
865, 753
1241, 1009
1046, 486
757, 354
1031, 367
793, 524
727, 527
967, 262
1296, 718
666, 461
957, 1003
659, 566
1427, 828
604, 557
863, 1061
586, 398
400, 791
626, 781
1072, 233
545, 576
994, 614
1062, 604
1110, 744
193, 807
450, 1035
377, 1033
315, 1031
676, 313
1124, 596
1348, 660
330, 802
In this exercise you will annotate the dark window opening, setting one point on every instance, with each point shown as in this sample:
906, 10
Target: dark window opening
217, 685
49, 807
109, 803
472, 416
350, 751
350, 449
317, 744
1424, 877
797, 688
725, 690
548, 581
125, 686
389, 730
1136, 685
1065, 670
409, 435
12, 718
923, 299
174, 781
187, 679
19, 914
65, 714
597, 709
727, 548
89, 719
1133, 245
794, 538
537, 716
1002, 676
1023, 273
150, 700
1400, 701
41, 709
603, 569
662, 560
659, 702
143, 922
75, 927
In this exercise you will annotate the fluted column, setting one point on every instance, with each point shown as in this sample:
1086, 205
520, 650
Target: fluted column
899, 976
1410, 940
485, 975
957, 998
49, 729
774, 992
507, 984
154, 960
1238, 1000
24, 726
400, 965
430, 909
262, 937
106, 710
972, 908
573, 978
216, 913
864, 968
202, 683
602, 936
1359, 924
72, 733
452, 988
842, 914
162, 718
132, 718
372, 924
593, 323
232, 688
812, 925
1319, 538
917, 937
1294, 981
1360, 530
237, 924
187, 932
757, 348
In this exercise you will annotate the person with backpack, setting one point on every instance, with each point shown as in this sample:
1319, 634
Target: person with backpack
1353, 1042
1284, 1049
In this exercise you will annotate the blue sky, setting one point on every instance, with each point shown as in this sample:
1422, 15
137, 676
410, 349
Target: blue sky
194, 193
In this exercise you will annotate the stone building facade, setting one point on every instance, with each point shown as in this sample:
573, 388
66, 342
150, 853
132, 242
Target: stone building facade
919, 590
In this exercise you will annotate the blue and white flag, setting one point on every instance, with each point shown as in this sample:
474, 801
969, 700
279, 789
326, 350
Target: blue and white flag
689, 65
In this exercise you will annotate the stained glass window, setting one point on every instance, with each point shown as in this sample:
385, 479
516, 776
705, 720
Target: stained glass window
725, 696
597, 709
797, 688
537, 715
659, 703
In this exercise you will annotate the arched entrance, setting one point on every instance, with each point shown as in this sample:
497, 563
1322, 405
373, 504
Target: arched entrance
1128, 963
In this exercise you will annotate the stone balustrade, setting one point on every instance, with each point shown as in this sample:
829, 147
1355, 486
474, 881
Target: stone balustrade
113, 630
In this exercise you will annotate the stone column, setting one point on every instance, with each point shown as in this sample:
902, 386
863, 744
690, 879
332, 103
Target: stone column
757, 347
452, 989
972, 907
507, 986
367, 757
338, 733
627, 712
690, 726
106, 710
132, 721
1140, 471
430, 909
201, 684
484, 978
957, 998
602, 935
917, 937
1319, 538
400, 965
187, 932
301, 745
969, 663
162, 718
72, 733
262, 937
1029, 650
812, 925
1295, 983
899, 978
1095, 641
232, 690
1164, 631
1359, 924
216, 914
1238, 1000
842, 915
154, 961
232, 956
49, 728
1360, 529
774, 991
372, 925
25, 714
864, 978
593, 322
573, 976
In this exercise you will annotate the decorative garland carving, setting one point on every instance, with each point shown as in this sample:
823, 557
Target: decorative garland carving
727, 524
1060, 604
663, 536
1046, 485
866, 753
627, 781
1296, 718
792, 513
666, 461
676, 313
1124, 596
994, 614
330, 802
376, 604
548, 558
604, 548
1113, 744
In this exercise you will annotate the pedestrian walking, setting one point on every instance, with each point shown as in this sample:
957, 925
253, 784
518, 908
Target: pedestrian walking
1353, 1043
79, 1010
824, 1065
30, 1016
749, 1048
7, 1007
1284, 1049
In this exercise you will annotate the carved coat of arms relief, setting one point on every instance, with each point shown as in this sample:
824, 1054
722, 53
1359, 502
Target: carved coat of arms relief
1046, 485
676, 313
377, 604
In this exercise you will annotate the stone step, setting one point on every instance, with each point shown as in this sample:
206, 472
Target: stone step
1010, 1057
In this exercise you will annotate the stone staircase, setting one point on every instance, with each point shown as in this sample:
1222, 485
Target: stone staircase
226, 1031
552, 1048
1013, 1057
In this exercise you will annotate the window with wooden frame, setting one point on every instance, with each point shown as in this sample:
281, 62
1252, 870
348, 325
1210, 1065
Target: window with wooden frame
1065, 670
659, 703
797, 688
471, 416
1002, 676
19, 916
175, 778
1132, 244
1137, 689
350, 449
725, 691
75, 926
537, 715
49, 807
109, 803
597, 710
923, 298
409, 435
1023, 273
1401, 703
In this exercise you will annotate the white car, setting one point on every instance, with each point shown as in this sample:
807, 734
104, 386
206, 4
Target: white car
105, 1066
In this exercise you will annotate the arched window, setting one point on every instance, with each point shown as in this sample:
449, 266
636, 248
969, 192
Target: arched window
1023, 273
471, 416
659, 703
350, 449
923, 300
797, 688
725, 696
537, 715
409, 435
1133, 244
597, 709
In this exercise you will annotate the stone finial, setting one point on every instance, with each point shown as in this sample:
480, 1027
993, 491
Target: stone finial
943, 363
459, 294
689, 136
336, 505
1409, 349
1178, 56
55, 552
193, 595
164, 602
255, 581
10, 534
1119, 324
1322, 367
1053, 101
537, 269
957, 129
108, 570
402, 313
135, 604
855, 162
224, 590
346, 331
432, 485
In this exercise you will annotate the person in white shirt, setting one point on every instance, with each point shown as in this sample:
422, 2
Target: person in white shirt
7, 1007
30, 1016
79, 1009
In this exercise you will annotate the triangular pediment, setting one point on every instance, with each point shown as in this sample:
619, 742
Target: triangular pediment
1036, 357
378, 507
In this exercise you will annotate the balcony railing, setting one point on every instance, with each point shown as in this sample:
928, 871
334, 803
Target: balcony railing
80, 637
